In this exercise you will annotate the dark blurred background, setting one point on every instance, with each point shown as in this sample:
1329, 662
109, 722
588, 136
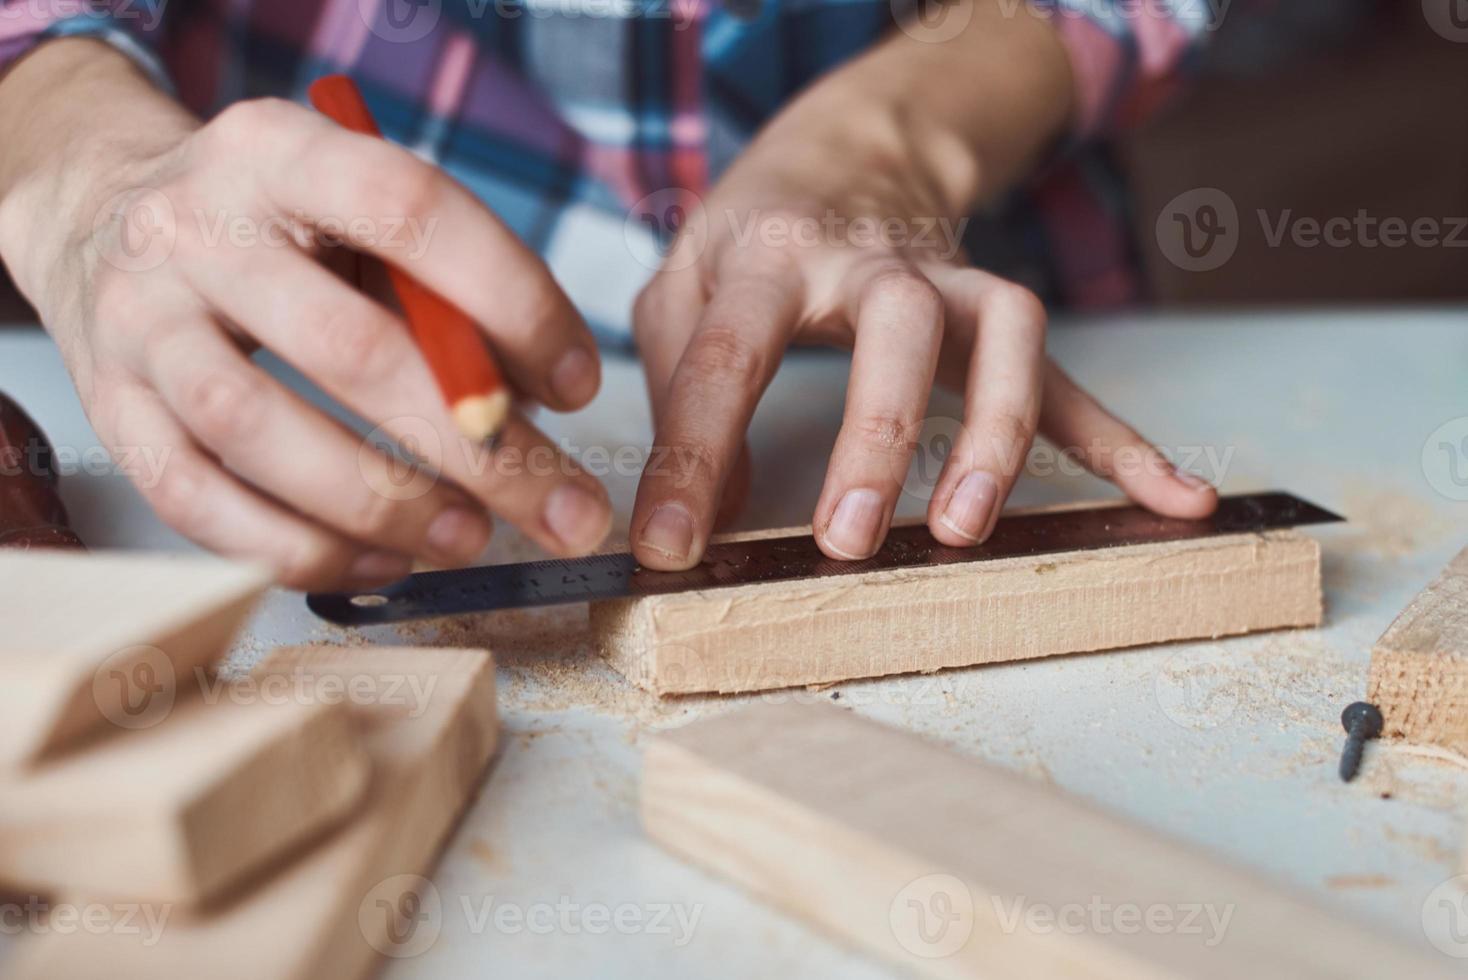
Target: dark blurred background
1364, 109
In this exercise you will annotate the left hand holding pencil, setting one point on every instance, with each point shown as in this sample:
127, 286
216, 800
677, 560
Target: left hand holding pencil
171, 249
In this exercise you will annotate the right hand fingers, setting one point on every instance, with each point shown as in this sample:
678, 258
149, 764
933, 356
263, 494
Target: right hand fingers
392, 205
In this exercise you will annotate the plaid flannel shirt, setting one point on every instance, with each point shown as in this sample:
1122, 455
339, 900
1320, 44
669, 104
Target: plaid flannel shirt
562, 114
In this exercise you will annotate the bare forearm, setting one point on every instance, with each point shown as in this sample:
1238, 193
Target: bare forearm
955, 119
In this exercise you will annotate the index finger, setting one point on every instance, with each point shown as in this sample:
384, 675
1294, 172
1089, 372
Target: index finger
703, 416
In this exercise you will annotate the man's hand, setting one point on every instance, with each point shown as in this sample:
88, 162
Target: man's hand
166, 251
839, 225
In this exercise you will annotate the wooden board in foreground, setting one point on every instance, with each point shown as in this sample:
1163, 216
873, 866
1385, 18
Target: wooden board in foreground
430, 727
1419, 667
182, 811
89, 640
957, 868
783, 634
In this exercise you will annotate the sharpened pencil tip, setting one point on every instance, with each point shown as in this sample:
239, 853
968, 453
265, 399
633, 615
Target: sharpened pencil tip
481, 417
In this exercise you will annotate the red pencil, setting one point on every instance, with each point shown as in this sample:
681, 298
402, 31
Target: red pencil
451, 344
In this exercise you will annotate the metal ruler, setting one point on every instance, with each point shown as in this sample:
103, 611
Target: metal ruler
618, 576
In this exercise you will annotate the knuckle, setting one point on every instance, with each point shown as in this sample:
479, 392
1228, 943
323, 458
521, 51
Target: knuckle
118, 304
903, 289
223, 406
372, 516
682, 465
722, 353
314, 561
154, 341
356, 345
888, 433
1010, 430
403, 187
177, 495
244, 123
1021, 305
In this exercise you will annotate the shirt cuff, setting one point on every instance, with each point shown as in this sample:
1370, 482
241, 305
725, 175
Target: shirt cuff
1127, 59
133, 30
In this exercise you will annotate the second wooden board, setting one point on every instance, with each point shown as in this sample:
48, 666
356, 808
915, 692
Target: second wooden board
956, 868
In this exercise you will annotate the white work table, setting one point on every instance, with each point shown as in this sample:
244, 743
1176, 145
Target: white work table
1230, 744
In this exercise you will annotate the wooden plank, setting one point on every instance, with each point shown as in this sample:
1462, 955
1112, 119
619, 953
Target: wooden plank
89, 639
184, 810
430, 722
782, 634
1419, 667
956, 868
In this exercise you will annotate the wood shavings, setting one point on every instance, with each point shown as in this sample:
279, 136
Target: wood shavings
1388, 523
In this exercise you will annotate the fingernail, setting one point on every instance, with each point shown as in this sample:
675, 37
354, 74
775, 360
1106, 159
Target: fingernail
1195, 483
852, 532
378, 568
577, 516
573, 379
669, 531
459, 534
968, 510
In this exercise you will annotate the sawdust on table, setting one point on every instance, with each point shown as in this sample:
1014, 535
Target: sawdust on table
1351, 881
548, 661
1432, 848
1387, 523
489, 858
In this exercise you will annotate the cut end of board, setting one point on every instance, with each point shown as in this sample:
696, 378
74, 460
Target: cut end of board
1419, 667
94, 638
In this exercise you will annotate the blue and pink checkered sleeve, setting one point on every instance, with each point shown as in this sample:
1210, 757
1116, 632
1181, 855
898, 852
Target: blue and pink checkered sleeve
1128, 58
134, 27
